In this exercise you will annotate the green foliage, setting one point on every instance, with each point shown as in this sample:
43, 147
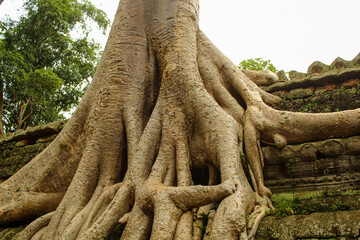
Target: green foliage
205, 218
64, 146
293, 207
44, 70
309, 106
287, 204
351, 192
340, 207
244, 158
285, 207
257, 64
41, 85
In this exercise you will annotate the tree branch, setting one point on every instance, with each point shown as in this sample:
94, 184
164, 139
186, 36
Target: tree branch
21, 120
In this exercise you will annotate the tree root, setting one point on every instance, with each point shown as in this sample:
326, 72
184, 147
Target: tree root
35, 227
157, 189
263, 205
103, 224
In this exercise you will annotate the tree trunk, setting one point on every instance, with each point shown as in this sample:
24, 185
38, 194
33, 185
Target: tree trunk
163, 102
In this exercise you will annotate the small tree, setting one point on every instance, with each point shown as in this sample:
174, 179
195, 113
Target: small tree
36, 93
257, 64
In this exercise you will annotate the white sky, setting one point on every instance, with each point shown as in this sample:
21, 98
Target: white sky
291, 33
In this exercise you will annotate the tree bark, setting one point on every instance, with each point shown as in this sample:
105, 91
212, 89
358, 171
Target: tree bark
163, 101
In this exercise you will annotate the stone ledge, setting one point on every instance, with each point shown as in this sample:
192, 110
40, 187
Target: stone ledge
33, 133
327, 225
334, 76
318, 74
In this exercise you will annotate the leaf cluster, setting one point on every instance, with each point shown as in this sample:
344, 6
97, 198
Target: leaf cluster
257, 64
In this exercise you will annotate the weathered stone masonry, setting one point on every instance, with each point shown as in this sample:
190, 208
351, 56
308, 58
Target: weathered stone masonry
19, 148
322, 165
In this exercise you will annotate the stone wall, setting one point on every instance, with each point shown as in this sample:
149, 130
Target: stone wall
340, 225
326, 98
323, 166
322, 89
329, 164
314, 166
19, 148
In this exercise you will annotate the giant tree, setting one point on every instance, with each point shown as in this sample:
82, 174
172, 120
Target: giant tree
163, 103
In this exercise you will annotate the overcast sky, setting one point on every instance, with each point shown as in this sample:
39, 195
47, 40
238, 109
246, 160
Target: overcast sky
291, 33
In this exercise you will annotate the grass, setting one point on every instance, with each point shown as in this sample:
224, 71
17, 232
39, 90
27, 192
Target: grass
287, 204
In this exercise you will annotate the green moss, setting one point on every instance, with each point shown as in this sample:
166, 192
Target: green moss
20, 144
64, 146
287, 204
299, 93
322, 100
13, 158
321, 92
340, 207
328, 193
244, 158
309, 106
41, 140
286, 207
351, 193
